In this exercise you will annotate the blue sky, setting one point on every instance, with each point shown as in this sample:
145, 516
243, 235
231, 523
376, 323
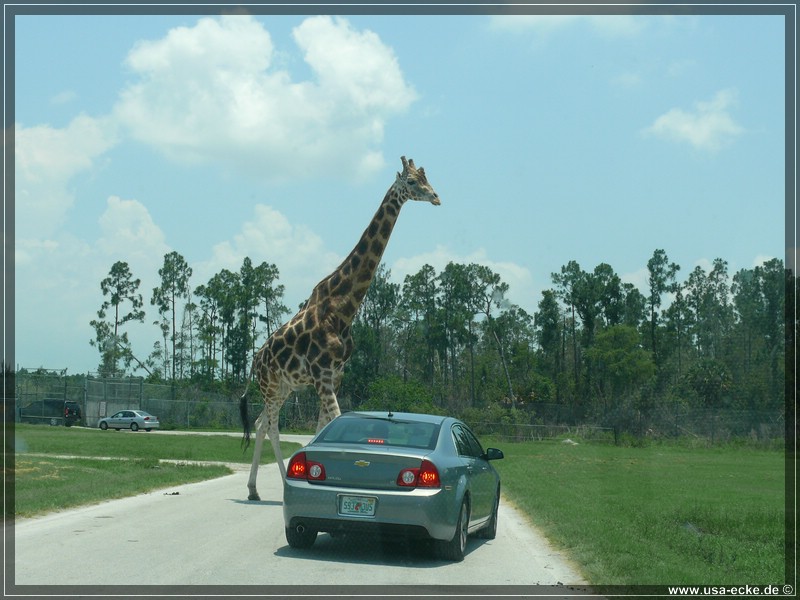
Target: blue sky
549, 139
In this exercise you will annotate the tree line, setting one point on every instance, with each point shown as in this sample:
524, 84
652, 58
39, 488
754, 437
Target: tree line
451, 340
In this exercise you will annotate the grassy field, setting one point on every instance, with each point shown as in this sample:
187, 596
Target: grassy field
656, 515
79, 441
46, 483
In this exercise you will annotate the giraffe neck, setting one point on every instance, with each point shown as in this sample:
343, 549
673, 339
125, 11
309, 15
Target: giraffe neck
347, 285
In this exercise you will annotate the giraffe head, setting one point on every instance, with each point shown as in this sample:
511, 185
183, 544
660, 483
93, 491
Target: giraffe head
413, 184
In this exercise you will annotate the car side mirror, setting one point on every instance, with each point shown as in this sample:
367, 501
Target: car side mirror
494, 454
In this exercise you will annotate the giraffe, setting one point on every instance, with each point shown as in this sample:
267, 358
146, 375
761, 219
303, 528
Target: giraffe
312, 348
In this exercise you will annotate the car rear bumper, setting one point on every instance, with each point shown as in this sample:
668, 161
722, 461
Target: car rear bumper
418, 513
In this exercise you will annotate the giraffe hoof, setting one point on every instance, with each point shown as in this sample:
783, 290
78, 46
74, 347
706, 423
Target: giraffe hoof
254, 496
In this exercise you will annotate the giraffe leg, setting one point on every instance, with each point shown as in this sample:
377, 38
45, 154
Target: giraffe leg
267, 424
323, 418
275, 440
329, 405
261, 430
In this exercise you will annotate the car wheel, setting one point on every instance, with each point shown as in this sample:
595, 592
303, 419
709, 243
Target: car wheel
134, 427
103, 425
454, 549
148, 429
490, 531
300, 539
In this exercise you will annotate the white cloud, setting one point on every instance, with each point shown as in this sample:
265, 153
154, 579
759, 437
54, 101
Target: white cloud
46, 158
130, 234
708, 127
57, 284
356, 67
298, 252
212, 93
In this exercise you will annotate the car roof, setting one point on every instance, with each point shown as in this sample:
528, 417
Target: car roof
404, 416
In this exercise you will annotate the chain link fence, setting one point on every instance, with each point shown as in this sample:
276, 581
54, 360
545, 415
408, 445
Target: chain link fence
520, 432
37, 392
195, 407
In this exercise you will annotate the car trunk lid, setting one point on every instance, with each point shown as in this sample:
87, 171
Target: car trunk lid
363, 467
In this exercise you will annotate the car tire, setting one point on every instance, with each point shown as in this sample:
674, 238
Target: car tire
103, 425
300, 539
454, 549
148, 429
490, 531
134, 427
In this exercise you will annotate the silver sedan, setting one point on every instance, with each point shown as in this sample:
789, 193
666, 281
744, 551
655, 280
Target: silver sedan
130, 419
402, 474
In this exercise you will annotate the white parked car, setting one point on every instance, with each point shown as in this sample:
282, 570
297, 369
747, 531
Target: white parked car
130, 419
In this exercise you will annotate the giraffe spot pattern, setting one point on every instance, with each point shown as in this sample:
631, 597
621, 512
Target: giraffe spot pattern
344, 287
303, 342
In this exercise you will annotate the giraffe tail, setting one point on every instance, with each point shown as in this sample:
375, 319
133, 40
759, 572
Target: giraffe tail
245, 420
243, 409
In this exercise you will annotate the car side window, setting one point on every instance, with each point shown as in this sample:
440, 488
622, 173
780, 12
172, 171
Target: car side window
475, 446
466, 443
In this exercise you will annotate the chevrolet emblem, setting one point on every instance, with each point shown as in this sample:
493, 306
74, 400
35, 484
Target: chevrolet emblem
361, 463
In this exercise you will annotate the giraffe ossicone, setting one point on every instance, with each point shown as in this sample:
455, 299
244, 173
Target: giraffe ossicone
311, 349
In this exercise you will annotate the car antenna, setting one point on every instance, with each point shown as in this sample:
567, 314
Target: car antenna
390, 414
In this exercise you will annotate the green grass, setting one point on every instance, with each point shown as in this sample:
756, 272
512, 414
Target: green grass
657, 515
46, 483
79, 441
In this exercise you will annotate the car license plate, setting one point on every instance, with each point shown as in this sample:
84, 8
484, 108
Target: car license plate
363, 506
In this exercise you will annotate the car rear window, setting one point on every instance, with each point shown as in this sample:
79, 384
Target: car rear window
381, 431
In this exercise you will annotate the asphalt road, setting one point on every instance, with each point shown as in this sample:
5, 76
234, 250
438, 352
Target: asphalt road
207, 533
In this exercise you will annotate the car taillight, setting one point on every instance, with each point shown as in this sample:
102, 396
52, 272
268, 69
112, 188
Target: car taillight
147, 418
427, 475
301, 468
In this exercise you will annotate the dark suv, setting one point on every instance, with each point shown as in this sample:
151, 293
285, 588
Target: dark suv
72, 413
51, 410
